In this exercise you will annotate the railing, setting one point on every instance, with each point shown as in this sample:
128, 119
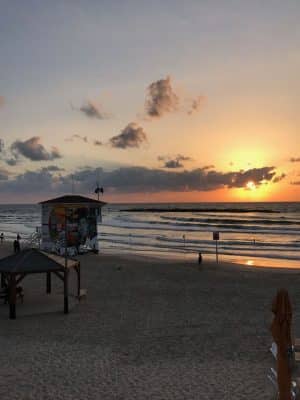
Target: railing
33, 241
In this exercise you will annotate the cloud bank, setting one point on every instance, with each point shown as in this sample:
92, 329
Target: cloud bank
133, 180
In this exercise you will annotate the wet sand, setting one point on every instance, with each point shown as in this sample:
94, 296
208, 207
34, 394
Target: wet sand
148, 329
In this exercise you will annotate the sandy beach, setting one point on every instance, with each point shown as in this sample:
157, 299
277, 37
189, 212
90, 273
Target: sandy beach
148, 329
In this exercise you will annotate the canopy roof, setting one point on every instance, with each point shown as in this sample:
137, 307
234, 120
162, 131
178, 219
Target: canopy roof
74, 200
34, 261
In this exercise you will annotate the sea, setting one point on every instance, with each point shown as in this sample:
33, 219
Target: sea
255, 234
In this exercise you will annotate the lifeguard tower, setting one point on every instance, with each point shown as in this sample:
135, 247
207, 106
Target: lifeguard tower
70, 222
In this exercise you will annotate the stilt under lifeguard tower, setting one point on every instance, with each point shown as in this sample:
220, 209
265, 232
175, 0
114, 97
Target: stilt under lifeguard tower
70, 222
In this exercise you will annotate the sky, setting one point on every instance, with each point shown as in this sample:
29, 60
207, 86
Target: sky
161, 101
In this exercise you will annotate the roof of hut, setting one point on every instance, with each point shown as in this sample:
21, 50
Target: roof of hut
74, 200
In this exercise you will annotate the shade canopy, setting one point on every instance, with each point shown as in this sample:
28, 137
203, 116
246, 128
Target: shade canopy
33, 261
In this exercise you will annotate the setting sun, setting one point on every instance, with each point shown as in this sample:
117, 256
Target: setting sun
250, 185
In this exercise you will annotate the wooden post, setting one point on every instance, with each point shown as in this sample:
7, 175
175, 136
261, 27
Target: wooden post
12, 296
48, 282
66, 291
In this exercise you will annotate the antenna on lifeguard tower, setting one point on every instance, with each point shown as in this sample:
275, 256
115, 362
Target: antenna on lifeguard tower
98, 189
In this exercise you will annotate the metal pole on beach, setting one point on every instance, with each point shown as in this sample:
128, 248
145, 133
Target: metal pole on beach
216, 237
66, 238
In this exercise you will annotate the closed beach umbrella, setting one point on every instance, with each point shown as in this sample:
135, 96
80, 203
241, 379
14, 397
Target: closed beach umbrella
281, 332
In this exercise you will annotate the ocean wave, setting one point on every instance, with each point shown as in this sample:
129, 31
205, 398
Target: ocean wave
157, 225
248, 221
204, 210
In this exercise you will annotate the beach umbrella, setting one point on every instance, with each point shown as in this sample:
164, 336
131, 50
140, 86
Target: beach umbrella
281, 332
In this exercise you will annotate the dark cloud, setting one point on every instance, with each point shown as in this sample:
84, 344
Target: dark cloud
160, 98
1, 145
52, 168
196, 104
33, 150
255, 175
175, 162
73, 137
98, 143
295, 159
11, 161
279, 178
295, 183
92, 110
208, 167
131, 136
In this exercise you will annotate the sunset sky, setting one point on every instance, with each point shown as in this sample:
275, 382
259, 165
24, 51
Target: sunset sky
194, 100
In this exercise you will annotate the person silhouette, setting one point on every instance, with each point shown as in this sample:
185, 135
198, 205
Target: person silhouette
16, 246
